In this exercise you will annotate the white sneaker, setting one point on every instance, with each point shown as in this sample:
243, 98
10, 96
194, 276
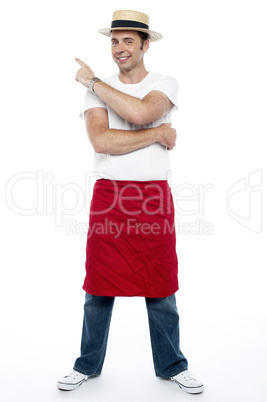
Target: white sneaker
72, 381
188, 383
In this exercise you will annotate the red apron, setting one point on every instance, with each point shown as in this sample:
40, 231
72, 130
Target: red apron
131, 241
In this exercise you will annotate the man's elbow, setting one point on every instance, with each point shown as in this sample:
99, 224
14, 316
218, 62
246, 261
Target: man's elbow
140, 118
97, 143
99, 146
97, 139
98, 149
146, 114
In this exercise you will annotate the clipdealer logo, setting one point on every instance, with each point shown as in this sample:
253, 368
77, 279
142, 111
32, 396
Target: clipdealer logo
37, 193
66, 201
244, 201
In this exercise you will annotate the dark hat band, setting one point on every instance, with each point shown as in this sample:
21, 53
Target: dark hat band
128, 24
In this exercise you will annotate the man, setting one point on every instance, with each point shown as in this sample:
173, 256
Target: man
131, 244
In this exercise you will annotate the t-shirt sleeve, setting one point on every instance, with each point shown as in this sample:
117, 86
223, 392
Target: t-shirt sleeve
169, 86
91, 101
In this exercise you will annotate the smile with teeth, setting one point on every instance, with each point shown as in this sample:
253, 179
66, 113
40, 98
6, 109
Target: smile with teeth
122, 59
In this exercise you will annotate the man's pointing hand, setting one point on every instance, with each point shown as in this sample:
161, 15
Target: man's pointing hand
84, 74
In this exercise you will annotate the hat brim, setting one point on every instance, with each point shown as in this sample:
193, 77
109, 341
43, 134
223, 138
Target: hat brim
153, 36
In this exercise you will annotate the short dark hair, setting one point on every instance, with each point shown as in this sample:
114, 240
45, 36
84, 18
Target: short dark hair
144, 36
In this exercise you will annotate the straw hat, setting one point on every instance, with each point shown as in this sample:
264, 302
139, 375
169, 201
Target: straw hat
128, 20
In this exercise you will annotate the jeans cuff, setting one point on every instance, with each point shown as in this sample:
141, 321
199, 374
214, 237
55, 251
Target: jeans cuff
89, 375
172, 375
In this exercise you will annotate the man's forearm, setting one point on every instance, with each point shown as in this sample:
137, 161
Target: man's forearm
114, 141
128, 107
118, 142
137, 111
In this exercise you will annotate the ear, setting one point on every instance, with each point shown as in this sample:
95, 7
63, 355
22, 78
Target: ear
146, 45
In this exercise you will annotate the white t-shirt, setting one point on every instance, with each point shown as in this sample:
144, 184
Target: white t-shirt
150, 162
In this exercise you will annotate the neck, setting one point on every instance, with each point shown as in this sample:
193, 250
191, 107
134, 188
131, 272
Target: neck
133, 76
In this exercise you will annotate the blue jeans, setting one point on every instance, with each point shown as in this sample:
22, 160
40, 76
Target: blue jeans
164, 333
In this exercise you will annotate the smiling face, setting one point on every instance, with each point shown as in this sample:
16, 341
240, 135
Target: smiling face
127, 50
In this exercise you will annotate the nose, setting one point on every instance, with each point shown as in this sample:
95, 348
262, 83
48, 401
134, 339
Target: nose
120, 48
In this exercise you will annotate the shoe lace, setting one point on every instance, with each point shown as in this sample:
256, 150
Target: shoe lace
72, 374
187, 376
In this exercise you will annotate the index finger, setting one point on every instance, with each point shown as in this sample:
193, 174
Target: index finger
82, 64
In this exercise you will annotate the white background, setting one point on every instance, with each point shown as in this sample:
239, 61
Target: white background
217, 52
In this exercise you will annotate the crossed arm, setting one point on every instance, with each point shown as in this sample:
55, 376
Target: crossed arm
111, 141
138, 111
